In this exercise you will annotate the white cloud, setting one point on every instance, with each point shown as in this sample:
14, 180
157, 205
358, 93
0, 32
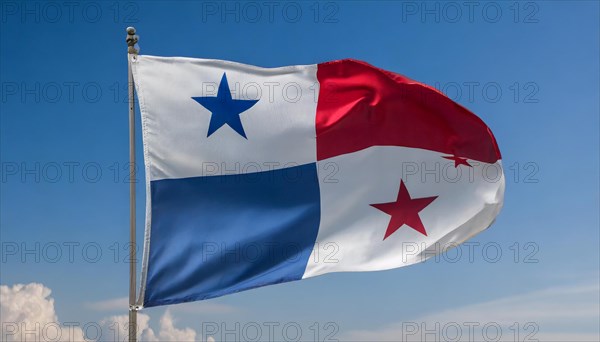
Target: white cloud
116, 328
168, 332
555, 314
27, 313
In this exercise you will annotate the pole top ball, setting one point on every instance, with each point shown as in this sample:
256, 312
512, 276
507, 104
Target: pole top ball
131, 40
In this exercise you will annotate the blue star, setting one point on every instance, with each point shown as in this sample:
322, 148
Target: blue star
224, 109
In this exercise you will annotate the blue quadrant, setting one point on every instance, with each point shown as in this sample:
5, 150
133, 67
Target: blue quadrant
222, 234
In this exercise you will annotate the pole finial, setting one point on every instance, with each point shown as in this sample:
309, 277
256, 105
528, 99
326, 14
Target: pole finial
131, 40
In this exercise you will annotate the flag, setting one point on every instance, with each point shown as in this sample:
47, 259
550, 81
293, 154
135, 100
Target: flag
258, 176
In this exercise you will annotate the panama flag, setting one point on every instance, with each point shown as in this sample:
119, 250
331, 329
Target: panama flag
258, 176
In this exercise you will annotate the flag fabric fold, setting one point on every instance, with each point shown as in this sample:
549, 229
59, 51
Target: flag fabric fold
257, 176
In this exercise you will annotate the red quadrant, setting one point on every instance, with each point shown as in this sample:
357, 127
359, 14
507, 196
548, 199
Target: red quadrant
362, 106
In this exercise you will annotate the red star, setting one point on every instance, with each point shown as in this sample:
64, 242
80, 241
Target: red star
458, 160
404, 211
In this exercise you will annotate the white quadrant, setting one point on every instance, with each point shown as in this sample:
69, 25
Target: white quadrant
280, 127
351, 233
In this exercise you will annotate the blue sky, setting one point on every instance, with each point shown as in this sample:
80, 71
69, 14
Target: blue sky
533, 68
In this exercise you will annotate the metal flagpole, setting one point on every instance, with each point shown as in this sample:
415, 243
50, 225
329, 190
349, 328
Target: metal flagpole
131, 53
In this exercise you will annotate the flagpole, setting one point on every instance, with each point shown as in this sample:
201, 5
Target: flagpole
131, 53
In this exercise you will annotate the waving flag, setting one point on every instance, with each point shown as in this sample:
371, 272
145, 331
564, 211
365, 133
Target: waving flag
260, 176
